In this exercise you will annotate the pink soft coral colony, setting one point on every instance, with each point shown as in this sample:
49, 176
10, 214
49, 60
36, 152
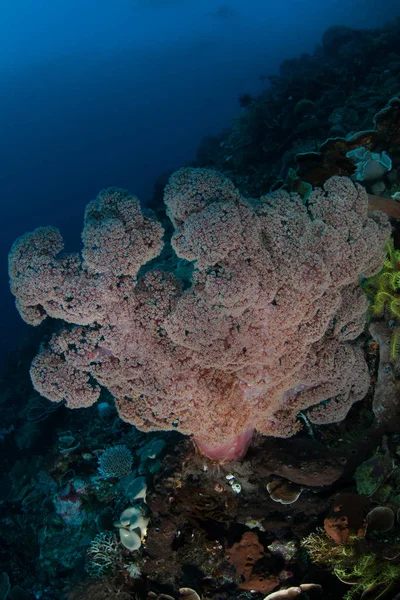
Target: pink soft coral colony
266, 329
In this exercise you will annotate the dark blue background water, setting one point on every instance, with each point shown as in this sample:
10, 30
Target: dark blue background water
101, 93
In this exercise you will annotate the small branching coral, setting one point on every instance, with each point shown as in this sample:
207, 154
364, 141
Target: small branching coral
104, 555
105, 558
133, 570
383, 290
352, 563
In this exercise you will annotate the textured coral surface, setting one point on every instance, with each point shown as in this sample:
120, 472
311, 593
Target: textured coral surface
266, 329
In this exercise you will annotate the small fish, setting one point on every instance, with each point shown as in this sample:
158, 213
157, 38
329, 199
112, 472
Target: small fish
223, 12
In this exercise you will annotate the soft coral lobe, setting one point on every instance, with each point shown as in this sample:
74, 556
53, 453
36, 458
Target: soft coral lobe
267, 326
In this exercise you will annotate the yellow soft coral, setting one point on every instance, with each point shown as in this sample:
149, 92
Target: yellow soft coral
383, 290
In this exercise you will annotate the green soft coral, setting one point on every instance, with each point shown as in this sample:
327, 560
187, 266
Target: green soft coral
383, 290
354, 563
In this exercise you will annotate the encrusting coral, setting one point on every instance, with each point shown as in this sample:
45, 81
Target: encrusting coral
265, 330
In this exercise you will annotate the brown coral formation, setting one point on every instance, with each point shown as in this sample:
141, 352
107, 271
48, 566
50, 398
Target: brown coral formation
283, 491
244, 555
347, 517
